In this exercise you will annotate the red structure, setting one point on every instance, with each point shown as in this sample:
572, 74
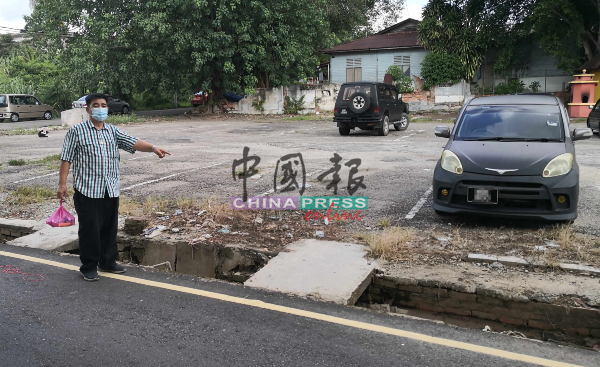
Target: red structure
583, 95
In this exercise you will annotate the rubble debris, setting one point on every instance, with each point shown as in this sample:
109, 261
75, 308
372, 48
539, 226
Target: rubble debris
153, 232
320, 234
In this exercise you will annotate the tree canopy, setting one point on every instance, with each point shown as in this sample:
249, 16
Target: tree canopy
218, 45
566, 29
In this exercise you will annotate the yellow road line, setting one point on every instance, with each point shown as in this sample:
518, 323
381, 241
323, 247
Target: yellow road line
313, 315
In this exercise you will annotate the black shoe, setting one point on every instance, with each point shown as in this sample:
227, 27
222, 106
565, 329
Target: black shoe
92, 276
116, 269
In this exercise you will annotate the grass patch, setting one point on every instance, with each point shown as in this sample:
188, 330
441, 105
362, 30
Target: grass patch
128, 206
25, 195
124, 119
184, 203
384, 222
52, 161
391, 244
17, 162
304, 118
154, 204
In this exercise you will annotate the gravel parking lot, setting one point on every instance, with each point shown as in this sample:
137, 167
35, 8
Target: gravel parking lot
397, 169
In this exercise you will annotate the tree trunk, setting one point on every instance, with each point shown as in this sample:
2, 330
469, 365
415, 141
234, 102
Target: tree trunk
175, 99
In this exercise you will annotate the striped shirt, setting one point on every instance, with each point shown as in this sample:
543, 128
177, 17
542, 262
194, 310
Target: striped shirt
94, 155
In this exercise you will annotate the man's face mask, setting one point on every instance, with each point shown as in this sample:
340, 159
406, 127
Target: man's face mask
99, 113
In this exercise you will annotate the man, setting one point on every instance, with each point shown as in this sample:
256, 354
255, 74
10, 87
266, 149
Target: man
92, 147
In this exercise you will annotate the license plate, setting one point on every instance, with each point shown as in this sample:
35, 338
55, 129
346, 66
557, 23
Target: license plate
344, 111
483, 196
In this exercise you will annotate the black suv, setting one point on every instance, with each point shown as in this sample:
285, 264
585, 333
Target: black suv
368, 106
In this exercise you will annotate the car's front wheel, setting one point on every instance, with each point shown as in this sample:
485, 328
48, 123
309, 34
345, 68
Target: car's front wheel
47, 115
385, 126
125, 110
344, 131
14, 117
403, 123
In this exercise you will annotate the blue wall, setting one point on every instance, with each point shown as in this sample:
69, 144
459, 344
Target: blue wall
375, 63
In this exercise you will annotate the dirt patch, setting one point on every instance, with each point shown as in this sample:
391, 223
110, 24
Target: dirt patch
212, 221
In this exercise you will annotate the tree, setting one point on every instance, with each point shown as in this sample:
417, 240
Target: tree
467, 28
219, 45
559, 24
440, 69
351, 19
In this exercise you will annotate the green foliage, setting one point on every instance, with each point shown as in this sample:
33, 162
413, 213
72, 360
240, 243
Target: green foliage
561, 24
17, 162
512, 87
259, 105
292, 105
351, 19
396, 72
535, 86
123, 119
182, 45
441, 69
405, 85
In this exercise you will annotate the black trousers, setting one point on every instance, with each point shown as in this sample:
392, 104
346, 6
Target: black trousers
98, 223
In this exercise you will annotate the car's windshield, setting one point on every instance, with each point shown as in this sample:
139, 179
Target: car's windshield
516, 122
349, 90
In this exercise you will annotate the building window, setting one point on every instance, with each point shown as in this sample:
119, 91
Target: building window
404, 63
353, 70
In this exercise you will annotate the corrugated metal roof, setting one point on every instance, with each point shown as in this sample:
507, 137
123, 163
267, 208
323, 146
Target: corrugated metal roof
380, 41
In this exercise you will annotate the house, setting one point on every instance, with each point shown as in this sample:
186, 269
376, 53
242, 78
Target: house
367, 59
538, 66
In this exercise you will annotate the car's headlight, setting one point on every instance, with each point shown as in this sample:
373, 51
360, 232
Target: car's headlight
451, 163
559, 166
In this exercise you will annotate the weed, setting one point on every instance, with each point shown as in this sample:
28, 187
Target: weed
304, 118
185, 202
25, 195
384, 222
17, 162
154, 204
390, 244
124, 119
128, 206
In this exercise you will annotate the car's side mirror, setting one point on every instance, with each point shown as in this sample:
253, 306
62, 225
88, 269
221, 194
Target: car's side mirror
582, 133
591, 107
442, 131
399, 96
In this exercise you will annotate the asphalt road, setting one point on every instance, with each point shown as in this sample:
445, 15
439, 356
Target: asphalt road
64, 321
29, 124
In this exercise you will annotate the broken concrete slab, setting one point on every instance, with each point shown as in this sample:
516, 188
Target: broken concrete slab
512, 261
22, 223
50, 239
481, 258
158, 252
576, 268
332, 271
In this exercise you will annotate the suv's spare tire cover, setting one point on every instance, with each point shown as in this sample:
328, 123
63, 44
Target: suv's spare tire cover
359, 102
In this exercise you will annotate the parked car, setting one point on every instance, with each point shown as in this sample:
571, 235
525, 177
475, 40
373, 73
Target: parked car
23, 106
200, 98
593, 120
80, 103
510, 156
369, 106
115, 105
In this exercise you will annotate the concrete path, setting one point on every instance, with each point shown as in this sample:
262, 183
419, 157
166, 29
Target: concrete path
331, 271
50, 239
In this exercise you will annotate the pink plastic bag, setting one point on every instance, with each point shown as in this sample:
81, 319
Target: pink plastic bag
61, 218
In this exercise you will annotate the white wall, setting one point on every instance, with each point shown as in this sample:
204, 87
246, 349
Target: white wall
73, 116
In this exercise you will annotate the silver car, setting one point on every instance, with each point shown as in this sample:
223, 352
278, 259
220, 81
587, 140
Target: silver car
23, 106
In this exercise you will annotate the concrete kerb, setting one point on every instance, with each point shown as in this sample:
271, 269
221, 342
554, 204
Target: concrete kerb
534, 314
514, 261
